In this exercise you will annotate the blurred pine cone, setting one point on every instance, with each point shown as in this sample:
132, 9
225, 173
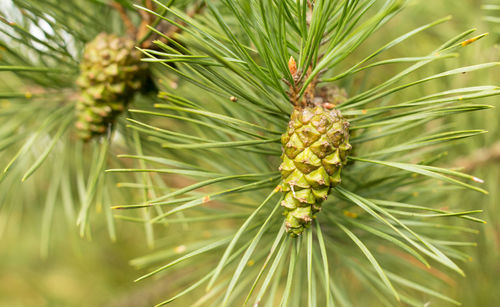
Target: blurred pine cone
111, 73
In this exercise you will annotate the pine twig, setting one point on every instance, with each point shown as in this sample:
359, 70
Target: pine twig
479, 158
145, 32
193, 12
129, 25
146, 19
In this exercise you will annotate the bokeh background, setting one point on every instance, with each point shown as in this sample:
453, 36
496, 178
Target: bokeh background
97, 272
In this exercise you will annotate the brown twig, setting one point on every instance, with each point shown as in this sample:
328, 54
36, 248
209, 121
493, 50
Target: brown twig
169, 31
310, 91
146, 19
195, 11
480, 157
131, 28
309, 96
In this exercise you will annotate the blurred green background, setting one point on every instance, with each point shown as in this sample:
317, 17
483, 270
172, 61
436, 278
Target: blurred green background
97, 273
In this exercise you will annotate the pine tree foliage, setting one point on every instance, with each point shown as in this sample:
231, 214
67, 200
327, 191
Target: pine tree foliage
203, 157
382, 230
41, 50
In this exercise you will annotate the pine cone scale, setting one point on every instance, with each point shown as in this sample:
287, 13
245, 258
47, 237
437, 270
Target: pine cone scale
315, 147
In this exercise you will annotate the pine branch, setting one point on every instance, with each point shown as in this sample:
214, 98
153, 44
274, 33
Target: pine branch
252, 60
42, 70
216, 136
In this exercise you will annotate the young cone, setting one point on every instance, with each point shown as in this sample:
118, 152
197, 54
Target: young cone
110, 73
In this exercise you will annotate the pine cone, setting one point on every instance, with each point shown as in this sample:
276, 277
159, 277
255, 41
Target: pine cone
110, 73
315, 147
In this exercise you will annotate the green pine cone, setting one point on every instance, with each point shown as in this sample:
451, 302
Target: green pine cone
315, 147
110, 73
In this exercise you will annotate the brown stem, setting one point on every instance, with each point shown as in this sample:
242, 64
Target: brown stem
171, 30
480, 157
310, 91
197, 10
129, 25
145, 19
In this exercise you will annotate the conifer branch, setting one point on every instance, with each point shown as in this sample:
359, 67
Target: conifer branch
205, 171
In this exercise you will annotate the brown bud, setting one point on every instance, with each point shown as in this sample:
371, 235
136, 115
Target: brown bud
328, 106
292, 66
